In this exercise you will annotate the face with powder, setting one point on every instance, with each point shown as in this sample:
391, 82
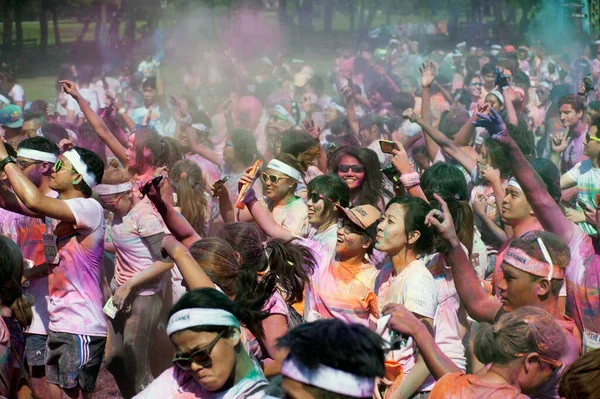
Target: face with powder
391, 233
515, 207
277, 185
351, 171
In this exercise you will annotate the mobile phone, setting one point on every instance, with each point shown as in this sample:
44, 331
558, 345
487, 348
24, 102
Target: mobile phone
146, 187
219, 183
388, 146
588, 83
583, 206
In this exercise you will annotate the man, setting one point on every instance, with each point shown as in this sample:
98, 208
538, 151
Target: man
73, 251
586, 177
11, 122
151, 113
569, 148
32, 121
36, 158
371, 128
329, 359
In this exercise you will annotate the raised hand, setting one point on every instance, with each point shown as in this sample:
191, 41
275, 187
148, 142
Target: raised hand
400, 160
70, 88
481, 109
427, 74
410, 115
311, 128
402, 320
494, 124
442, 221
560, 142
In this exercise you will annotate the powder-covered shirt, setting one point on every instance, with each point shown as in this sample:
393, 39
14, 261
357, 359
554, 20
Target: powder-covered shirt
175, 383
573, 153
75, 299
588, 185
27, 232
275, 305
132, 256
339, 290
293, 216
461, 385
414, 288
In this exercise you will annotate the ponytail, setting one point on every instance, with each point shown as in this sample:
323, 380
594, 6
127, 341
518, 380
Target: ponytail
22, 310
190, 188
291, 265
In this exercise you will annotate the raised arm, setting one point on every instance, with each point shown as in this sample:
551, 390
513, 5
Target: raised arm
348, 93
97, 123
403, 166
193, 275
543, 205
437, 140
200, 148
478, 304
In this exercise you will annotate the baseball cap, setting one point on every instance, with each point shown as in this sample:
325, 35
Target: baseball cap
11, 116
364, 216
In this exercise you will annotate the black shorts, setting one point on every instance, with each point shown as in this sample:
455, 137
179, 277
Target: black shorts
35, 349
73, 360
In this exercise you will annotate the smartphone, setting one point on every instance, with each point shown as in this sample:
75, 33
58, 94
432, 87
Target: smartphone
588, 83
388, 146
219, 183
146, 187
583, 206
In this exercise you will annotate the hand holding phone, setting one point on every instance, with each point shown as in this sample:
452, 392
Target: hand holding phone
583, 206
388, 146
154, 182
218, 184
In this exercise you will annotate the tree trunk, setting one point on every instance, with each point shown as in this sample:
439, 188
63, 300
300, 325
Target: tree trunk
361, 15
19, 26
371, 15
45, 6
54, 12
352, 15
282, 15
308, 15
328, 16
7, 32
81, 36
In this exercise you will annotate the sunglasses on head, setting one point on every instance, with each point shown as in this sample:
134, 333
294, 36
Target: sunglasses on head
354, 168
271, 178
201, 357
588, 138
60, 165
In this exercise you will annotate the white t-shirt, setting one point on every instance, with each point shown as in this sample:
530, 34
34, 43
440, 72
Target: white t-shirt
75, 299
414, 288
17, 93
90, 95
384, 159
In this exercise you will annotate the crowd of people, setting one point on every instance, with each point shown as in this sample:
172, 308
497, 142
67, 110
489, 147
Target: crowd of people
404, 225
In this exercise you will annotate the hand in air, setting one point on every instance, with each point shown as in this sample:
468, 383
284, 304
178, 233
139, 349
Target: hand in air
69, 87
494, 124
311, 128
410, 115
442, 221
400, 160
427, 74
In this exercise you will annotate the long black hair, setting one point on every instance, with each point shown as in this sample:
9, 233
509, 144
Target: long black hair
372, 191
11, 271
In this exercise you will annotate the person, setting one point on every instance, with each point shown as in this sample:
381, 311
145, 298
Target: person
11, 122
522, 350
90, 95
360, 169
569, 148
581, 380
35, 157
191, 192
475, 85
404, 237
307, 149
138, 283
320, 363
15, 309
14, 90
210, 362
151, 114
32, 121
74, 245
586, 178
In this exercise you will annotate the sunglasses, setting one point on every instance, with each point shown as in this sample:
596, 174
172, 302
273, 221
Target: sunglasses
476, 84
200, 357
354, 168
588, 138
348, 227
271, 178
60, 165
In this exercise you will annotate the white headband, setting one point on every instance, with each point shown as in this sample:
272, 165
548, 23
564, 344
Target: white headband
194, 317
284, 168
200, 126
338, 107
512, 182
80, 167
498, 94
329, 379
37, 155
284, 113
4, 99
110, 189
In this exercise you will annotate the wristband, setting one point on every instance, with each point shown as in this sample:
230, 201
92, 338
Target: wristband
121, 111
186, 120
410, 180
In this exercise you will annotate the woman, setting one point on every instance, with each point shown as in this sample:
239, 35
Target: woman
475, 86
138, 282
522, 350
211, 362
190, 189
404, 236
335, 115
306, 149
360, 169
16, 315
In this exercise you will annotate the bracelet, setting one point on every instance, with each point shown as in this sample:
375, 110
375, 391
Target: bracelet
410, 180
121, 111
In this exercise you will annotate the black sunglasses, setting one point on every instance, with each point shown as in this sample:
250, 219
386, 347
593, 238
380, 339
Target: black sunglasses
354, 168
201, 357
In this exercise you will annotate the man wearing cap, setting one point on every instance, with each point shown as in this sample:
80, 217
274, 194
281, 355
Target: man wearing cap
343, 288
11, 122
73, 253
